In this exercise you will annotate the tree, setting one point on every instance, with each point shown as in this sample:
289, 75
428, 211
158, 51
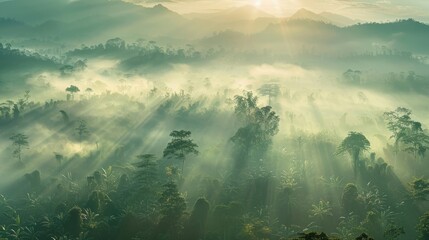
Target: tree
16, 111
407, 131
180, 146
172, 206
59, 158
72, 89
19, 141
5, 111
423, 226
195, 227
420, 189
351, 201
245, 106
146, 179
352, 76
271, 90
65, 116
260, 125
73, 222
82, 130
88, 91
354, 144
115, 43
33, 179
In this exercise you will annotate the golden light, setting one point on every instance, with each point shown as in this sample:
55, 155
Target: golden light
257, 3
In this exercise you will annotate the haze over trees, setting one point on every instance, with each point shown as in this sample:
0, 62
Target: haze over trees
127, 120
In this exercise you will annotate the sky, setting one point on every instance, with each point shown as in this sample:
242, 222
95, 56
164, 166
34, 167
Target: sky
369, 10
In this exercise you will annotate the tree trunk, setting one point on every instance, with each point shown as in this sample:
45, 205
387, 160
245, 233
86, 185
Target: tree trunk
183, 165
355, 163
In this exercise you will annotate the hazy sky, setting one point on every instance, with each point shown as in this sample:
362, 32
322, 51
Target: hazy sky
359, 9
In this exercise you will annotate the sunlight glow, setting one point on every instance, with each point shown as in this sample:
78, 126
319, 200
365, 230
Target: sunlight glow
257, 3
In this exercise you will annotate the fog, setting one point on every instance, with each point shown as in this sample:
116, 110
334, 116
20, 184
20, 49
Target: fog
147, 124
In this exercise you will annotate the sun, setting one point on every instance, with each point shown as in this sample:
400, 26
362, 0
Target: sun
257, 3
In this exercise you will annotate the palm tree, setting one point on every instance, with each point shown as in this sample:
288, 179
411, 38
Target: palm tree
354, 144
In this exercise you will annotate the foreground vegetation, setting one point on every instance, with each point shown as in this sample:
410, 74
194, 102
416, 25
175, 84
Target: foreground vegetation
246, 180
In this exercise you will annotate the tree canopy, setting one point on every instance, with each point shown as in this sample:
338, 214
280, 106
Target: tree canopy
180, 146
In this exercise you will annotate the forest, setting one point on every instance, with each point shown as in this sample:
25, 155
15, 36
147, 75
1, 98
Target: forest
121, 120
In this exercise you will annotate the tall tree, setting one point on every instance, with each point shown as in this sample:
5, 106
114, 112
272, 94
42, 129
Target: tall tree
146, 179
246, 106
260, 125
180, 146
407, 132
354, 144
73, 222
172, 207
271, 90
72, 90
82, 130
16, 111
196, 224
19, 141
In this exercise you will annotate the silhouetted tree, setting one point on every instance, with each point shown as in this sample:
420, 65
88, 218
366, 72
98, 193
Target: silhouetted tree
72, 90
16, 111
59, 158
354, 144
82, 130
73, 222
271, 90
420, 189
245, 107
195, 228
260, 125
180, 146
19, 141
407, 131
171, 206
350, 200
226, 219
146, 179
115, 43
34, 180
65, 116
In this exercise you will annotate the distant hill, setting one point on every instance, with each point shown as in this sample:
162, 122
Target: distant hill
244, 13
13, 28
17, 60
326, 17
297, 34
94, 20
246, 19
338, 20
17, 65
98, 20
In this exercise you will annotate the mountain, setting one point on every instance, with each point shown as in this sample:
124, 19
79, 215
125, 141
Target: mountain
400, 38
13, 28
246, 19
338, 20
302, 14
94, 20
244, 13
326, 17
